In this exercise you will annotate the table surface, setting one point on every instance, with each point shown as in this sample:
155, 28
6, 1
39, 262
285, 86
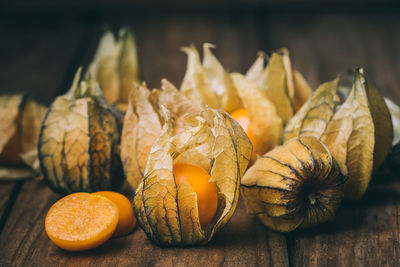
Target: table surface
41, 49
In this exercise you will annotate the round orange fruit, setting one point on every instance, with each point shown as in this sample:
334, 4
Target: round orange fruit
127, 220
207, 193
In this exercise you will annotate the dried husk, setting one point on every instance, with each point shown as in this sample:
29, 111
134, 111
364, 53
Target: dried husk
79, 141
394, 156
360, 135
115, 67
20, 124
315, 114
394, 110
207, 83
265, 123
293, 186
168, 212
285, 87
143, 123
302, 91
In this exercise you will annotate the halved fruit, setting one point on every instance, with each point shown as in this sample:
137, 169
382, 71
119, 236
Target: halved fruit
81, 221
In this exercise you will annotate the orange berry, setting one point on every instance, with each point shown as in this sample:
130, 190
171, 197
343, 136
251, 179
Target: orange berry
127, 220
242, 117
81, 221
207, 193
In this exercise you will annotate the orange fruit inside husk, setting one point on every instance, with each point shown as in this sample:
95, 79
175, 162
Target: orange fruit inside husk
207, 193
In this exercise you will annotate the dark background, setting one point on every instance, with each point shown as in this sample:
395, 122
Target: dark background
42, 43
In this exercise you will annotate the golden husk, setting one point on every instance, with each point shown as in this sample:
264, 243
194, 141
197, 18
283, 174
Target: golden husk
293, 186
276, 90
143, 123
115, 66
265, 122
79, 141
285, 87
359, 132
168, 212
20, 120
360, 135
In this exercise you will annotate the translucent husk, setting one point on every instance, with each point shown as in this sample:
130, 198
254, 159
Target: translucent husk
394, 110
20, 124
167, 211
359, 132
315, 114
79, 141
143, 122
360, 135
296, 185
265, 122
285, 87
208, 84
115, 66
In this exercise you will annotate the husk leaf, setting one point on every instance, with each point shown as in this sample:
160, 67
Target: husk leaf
359, 134
168, 212
302, 91
9, 111
276, 88
394, 110
21, 120
79, 141
265, 122
143, 123
315, 114
115, 66
295, 185
283, 85
207, 83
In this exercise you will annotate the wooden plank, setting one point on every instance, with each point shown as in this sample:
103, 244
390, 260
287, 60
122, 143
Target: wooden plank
365, 233
24, 242
7, 189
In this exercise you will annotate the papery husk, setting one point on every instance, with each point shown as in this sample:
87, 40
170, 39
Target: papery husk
313, 117
168, 211
115, 66
79, 141
285, 87
394, 156
265, 123
207, 83
21, 119
10, 109
302, 91
294, 186
143, 123
360, 135
394, 110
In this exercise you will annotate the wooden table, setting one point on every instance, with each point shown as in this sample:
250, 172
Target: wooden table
41, 47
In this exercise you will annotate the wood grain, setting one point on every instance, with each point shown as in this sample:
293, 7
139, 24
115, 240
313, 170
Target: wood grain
24, 242
7, 190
